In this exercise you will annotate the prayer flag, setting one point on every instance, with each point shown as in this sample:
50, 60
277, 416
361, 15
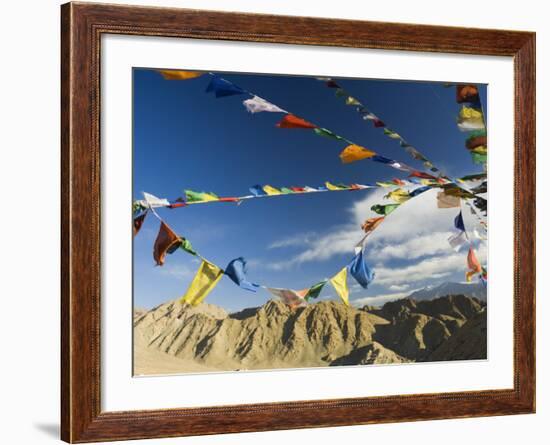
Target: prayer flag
153, 201
138, 222
291, 121
257, 105
399, 195
352, 101
315, 290
419, 190
236, 271
290, 297
458, 240
391, 134
466, 93
179, 75
286, 190
271, 190
384, 209
257, 190
372, 223
204, 281
459, 222
327, 133
339, 282
223, 88
360, 271
333, 187
192, 196
354, 153
473, 265
186, 245
378, 123
479, 158
167, 241
445, 201
475, 141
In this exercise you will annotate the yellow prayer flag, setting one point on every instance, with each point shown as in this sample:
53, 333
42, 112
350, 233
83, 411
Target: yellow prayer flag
467, 113
179, 75
332, 186
204, 281
482, 150
399, 196
354, 153
340, 284
271, 190
352, 101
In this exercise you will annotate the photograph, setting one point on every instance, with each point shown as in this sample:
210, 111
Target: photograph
304, 221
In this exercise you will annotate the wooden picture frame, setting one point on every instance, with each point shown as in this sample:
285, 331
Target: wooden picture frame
82, 26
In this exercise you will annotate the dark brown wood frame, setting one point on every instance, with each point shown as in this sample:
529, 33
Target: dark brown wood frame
82, 26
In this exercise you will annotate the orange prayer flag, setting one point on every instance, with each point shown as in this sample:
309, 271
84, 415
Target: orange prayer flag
372, 223
291, 121
473, 265
354, 153
179, 75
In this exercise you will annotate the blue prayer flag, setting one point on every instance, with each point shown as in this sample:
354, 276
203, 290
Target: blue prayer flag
419, 190
222, 87
236, 270
459, 222
257, 190
360, 271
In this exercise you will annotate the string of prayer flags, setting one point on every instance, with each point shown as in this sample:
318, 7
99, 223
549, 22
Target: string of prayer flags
359, 270
223, 88
179, 74
166, 242
257, 105
315, 290
354, 153
205, 280
290, 297
138, 222
340, 284
236, 271
384, 209
398, 195
474, 267
378, 123
291, 121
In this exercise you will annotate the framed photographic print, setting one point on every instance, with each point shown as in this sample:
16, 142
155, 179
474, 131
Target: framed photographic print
284, 222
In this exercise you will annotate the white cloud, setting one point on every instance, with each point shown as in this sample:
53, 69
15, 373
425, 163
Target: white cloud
379, 300
178, 270
302, 239
400, 287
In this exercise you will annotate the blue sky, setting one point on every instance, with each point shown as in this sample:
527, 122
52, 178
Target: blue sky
185, 138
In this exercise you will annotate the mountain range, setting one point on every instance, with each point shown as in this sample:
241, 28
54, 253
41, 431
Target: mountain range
178, 338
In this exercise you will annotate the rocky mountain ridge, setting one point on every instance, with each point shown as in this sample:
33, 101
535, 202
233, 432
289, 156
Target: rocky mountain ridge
326, 333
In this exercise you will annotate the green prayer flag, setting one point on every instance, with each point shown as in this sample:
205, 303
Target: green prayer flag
340, 92
315, 290
479, 158
327, 133
286, 190
186, 245
384, 209
192, 196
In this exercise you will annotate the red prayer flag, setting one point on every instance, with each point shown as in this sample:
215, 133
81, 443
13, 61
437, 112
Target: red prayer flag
291, 121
